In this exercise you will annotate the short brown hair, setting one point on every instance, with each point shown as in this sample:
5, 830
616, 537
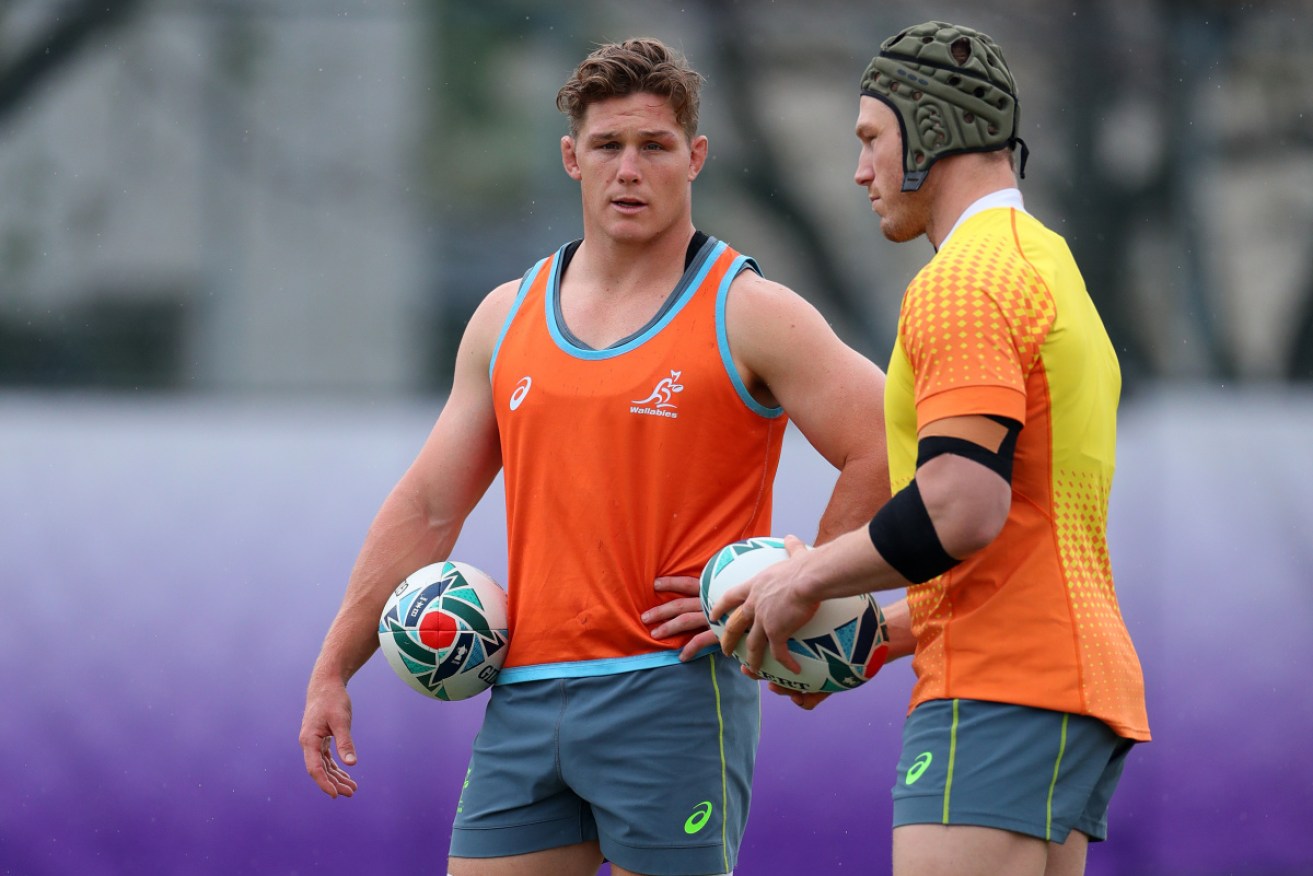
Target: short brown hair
636, 66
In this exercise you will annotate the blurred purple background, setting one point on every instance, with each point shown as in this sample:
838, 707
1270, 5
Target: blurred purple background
170, 568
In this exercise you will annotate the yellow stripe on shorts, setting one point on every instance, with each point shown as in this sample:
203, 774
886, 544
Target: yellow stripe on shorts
724, 782
952, 759
1057, 764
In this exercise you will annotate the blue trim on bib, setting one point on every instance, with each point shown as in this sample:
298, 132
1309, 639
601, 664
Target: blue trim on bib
515, 308
722, 339
553, 290
590, 668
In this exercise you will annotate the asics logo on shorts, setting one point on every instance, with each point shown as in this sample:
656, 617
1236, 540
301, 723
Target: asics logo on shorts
698, 820
918, 767
460, 804
521, 390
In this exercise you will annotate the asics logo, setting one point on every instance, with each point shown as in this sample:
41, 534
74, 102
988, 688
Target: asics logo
918, 767
661, 395
521, 390
698, 820
460, 804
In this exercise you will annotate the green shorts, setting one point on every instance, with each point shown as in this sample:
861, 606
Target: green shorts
1016, 768
656, 765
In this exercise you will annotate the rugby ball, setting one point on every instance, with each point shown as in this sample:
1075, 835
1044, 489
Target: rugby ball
843, 645
443, 631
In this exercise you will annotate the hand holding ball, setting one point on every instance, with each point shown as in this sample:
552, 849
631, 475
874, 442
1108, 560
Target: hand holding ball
842, 645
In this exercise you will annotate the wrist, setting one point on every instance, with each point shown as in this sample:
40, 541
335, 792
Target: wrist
807, 585
328, 674
821, 574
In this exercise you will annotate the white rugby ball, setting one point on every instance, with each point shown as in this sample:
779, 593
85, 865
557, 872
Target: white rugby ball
443, 631
843, 644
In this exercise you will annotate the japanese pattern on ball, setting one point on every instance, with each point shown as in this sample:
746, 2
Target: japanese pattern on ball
443, 631
843, 644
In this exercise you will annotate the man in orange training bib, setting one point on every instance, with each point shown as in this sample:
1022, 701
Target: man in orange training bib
634, 387
1001, 411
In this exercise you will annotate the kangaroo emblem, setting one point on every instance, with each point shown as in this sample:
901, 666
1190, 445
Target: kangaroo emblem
664, 390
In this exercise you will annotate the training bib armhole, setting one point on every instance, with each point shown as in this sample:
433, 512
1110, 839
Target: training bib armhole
740, 264
523, 291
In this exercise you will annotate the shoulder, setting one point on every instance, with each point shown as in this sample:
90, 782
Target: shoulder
790, 357
756, 303
485, 325
983, 258
770, 326
494, 308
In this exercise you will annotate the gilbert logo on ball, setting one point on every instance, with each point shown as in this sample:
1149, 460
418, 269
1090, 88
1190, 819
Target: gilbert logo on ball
443, 631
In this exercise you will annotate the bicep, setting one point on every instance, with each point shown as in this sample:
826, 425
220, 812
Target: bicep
833, 394
458, 460
462, 453
963, 473
838, 406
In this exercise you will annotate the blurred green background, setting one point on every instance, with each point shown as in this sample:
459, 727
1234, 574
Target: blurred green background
308, 197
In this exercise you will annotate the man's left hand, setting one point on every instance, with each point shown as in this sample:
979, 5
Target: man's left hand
680, 615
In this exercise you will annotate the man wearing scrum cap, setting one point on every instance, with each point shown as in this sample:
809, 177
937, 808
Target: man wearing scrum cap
1000, 408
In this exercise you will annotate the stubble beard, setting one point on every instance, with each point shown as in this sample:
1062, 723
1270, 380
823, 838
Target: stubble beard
900, 230
904, 221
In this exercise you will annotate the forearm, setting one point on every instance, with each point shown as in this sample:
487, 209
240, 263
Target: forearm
862, 487
860, 567
403, 537
845, 566
898, 622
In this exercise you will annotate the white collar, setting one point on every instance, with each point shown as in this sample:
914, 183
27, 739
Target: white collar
1001, 198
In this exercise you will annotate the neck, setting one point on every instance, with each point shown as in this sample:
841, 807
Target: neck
617, 264
963, 180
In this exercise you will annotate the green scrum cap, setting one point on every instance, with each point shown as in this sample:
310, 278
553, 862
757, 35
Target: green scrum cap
951, 91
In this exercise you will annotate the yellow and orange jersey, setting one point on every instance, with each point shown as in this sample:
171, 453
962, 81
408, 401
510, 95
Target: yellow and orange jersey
622, 465
1000, 322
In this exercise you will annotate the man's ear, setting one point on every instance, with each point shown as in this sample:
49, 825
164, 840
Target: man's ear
568, 158
697, 156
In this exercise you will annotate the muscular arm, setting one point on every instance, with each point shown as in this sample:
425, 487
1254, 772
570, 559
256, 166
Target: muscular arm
417, 524
967, 504
789, 356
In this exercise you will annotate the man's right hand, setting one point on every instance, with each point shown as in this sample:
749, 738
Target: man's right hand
328, 719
